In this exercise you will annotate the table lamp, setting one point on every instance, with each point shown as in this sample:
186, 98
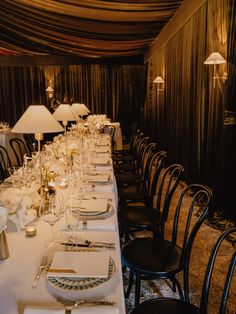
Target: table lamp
38, 120
64, 113
80, 110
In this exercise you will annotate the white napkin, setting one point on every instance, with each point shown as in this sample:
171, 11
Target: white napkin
22, 216
100, 188
97, 205
3, 218
101, 161
100, 178
99, 309
102, 149
96, 225
79, 265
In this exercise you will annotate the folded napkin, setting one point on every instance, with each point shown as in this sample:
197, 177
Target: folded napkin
98, 225
95, 309
94, 225
102, 149
100, 178
102, 167
94, 205
79, 265
100, 188
22, 216
3, 218
101, 161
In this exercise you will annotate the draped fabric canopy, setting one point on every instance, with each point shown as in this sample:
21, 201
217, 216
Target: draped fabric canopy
87, 28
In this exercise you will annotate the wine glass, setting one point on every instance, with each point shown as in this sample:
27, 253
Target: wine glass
51, 216
72, 215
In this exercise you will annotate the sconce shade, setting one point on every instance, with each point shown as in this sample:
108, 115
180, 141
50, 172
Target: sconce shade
64, 113
215, 58
49, 89
158, 80
80, 109
37, 119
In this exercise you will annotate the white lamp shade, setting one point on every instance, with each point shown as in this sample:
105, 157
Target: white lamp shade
64, 113
158, 80
37, 119
215, 58
49, 89
80, 109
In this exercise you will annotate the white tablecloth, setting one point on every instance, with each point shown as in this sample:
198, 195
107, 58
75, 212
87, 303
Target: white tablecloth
18, 271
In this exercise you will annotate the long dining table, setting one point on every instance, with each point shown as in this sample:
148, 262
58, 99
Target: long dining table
18, 271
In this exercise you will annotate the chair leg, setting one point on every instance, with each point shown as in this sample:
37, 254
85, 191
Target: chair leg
131, 281
177, 284
137, 289
173, 284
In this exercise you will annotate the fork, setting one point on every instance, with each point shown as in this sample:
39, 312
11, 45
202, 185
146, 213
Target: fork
42, 266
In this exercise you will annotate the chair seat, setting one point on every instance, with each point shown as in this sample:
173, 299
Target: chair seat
123, 158
165, 306
139, 216
132, 192
125, 167
128, 178
122, 152
152, 257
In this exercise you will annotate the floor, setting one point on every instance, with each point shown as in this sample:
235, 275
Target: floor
204, 241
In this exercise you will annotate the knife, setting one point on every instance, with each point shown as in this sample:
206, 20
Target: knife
90, 245
43, 265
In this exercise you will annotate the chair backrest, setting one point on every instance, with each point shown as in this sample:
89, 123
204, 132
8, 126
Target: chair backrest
165, 190
229, 265
155, 166
193, 204
148, 152
19, 148
5, 163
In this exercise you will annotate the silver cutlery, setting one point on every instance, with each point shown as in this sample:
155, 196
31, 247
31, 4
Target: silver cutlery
42, 266
90, 244
72, 304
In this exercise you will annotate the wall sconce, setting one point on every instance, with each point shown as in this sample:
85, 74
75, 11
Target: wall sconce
160, 83
49, 91
215, 58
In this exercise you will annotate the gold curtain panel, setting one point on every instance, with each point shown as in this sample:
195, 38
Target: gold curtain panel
91, 28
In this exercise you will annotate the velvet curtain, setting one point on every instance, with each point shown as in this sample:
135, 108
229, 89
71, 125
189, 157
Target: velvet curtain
116, 90
187, 118
19, 88
175, 115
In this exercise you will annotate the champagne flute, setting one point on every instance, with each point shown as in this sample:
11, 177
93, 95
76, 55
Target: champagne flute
51, 216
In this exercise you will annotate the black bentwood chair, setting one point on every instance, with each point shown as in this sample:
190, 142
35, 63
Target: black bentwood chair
135, 178
175, 306
158, 258
5, 163
137, 217
19, 148
144, 191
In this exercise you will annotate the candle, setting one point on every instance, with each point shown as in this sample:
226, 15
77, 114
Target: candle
30, 231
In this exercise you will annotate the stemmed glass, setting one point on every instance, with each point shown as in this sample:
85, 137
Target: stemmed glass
51, 216
72, 215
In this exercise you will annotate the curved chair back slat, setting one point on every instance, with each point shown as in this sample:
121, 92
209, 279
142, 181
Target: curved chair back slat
19, 148
5, 162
